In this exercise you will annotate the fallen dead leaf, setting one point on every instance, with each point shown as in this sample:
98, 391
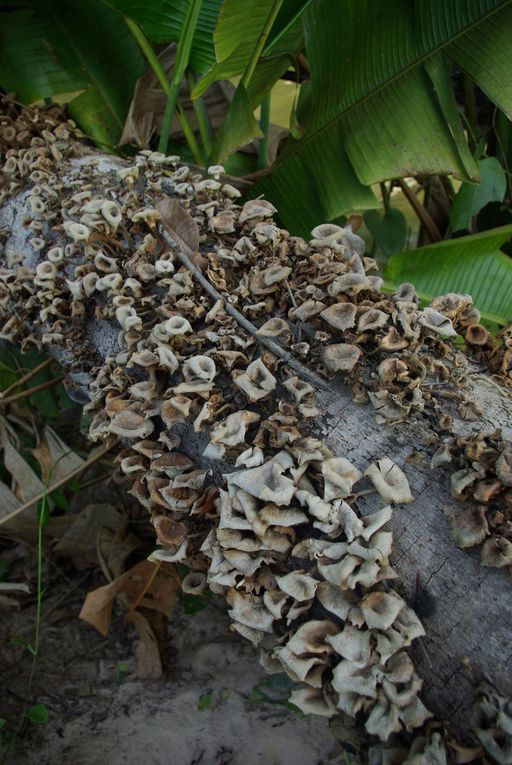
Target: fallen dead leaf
146, 112
96, 532
147, 652
149, 586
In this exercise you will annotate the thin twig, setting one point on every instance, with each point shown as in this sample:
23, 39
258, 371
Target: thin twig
420, 211
58, 484
26, 377
184, 253
31, 391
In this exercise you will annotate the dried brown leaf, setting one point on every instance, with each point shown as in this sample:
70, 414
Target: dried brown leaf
97, 530
149, 663
141, 585
145, 115
180, 225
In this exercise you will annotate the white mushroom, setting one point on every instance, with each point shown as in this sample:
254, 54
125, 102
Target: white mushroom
389, 481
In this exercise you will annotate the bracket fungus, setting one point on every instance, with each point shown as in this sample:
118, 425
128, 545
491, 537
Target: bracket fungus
275, 522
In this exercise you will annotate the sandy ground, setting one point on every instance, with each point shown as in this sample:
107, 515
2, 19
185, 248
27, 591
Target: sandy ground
207, 710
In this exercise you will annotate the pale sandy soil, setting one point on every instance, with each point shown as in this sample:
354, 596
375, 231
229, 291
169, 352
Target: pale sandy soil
98, 716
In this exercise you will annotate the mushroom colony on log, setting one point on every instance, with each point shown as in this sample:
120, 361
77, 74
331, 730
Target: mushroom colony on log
269, 517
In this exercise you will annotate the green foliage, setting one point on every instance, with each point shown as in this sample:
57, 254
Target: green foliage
470, 198
205, 701
163, 20
389, 229
37, 713
472, 264
50, 48
376, 102
275, 690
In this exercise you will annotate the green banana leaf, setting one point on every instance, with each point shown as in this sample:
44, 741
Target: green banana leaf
238, 31
162, 21
49, 48
472, 264
471, 198
381, 101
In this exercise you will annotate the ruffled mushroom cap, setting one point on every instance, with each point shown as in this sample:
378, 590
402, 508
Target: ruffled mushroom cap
341, 357
468, 524
476, 335
266, 482
389, 481
503, 464
383, 719
497, 552
452, 304
256, 382
312, 637
129, 424
199, 368
341, 316
393, 341
249, 610
167, 359
406, 293
352, 644
340, 475
372, 319
312, 701
275, 327
436, 322
298, 585
256, 208
232, 430
169, 533
175, 409
380, 609
194, 583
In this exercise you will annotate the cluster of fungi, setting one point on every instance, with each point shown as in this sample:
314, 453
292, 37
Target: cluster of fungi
267, 516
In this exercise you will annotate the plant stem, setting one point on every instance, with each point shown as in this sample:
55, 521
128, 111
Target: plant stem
26, 377
199, 157
180, 65
385, 196
265, 129
205, 129
420, 211
31, 391
172, 99
246, 77
470, 110
159, 71
149, 53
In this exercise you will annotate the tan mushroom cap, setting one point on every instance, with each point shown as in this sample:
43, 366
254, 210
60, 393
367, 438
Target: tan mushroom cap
341, 357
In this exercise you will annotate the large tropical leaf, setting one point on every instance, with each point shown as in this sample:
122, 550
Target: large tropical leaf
162, 21
239, 30
471, 198
380, 88
48, 48
472, 264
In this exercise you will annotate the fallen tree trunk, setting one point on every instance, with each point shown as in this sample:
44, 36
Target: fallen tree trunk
92, 271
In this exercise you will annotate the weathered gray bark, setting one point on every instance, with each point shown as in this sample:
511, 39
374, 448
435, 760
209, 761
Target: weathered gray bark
466, 609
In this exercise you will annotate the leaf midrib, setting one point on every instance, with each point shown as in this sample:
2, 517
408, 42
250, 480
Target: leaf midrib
314, 135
